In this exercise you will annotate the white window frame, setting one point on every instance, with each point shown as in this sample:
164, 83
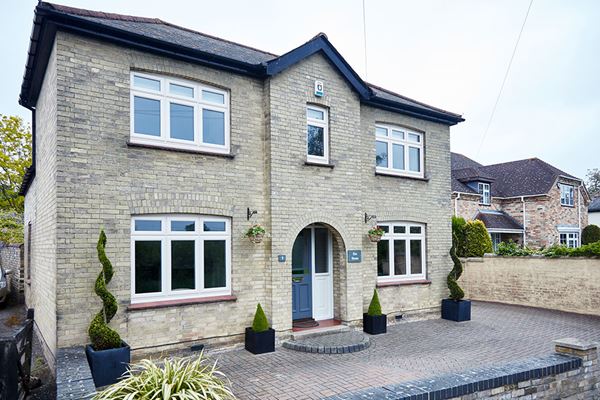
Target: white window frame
324, 123
567, 195
407, 236
166, 98
166, 236
484, 189
571, 238
390, 140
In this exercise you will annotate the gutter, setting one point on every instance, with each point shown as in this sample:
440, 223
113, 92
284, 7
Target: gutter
30, 171
524, 223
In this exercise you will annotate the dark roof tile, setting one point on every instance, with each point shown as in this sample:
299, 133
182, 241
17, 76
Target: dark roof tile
594, 205
497, 220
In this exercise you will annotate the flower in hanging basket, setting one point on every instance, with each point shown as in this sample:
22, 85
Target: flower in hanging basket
375, 233
255, 233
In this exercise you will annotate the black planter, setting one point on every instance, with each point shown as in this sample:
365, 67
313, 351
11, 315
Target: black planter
375, 324
261, 342
456, 310
108, 366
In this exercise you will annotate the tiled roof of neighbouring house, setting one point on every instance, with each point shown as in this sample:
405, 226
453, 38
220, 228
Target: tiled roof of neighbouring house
498, 220
594, 205
527, 177
158, 36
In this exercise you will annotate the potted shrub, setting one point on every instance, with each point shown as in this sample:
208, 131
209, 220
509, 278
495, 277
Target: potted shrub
260, 338
189, 378
375, 234
108, 355
374, 321
455, 308
255, 233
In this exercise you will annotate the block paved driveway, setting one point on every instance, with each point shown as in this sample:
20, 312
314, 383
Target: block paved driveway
410, 350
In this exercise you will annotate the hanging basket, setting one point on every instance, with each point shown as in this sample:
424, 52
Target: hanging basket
258, 238
374, 238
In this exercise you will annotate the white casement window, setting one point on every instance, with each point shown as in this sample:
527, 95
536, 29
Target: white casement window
399, 151
317, 135
181, 114
484, 190
569, 239
566, 194
401, 252
179, 257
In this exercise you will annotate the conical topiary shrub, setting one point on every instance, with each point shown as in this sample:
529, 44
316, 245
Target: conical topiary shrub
260, 338
260, 323
102, 336
375, 306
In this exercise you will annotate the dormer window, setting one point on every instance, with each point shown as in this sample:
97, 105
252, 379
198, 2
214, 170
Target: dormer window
566, 195
484, 190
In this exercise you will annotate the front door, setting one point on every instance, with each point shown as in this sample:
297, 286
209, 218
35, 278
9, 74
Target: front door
312, 274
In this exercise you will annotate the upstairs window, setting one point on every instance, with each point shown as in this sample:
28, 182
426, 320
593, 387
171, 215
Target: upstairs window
398, 151
566, 194
401, 252
180, 114
484, 190
317, 135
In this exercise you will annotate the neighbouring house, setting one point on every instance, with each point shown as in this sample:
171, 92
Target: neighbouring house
176, 142
527, 201
594, 212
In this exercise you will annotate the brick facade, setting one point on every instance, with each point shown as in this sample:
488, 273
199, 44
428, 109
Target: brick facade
543, 214
90, 178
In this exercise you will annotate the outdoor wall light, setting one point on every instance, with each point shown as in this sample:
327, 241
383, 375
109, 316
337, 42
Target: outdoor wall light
250, 213
369, 217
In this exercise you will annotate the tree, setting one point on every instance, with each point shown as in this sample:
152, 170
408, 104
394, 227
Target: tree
593, 182
15, 142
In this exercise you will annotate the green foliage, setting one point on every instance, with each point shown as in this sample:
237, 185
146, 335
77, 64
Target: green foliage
255, 230
477, 239
374, 306
511, 248
260, 323
588, 250
459, 226
11, 228
590, 234
101, 335
180, 379
376, 231
593, 182
15, 157
456, 292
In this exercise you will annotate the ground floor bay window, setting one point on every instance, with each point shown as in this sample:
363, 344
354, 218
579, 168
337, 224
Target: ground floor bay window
179, 257
401, 252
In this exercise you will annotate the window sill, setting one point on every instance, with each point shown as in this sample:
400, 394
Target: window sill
391, 175
404, 283
189, 151
175, 303
317, 164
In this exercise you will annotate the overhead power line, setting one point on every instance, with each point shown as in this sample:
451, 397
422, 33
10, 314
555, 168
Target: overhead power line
489, 123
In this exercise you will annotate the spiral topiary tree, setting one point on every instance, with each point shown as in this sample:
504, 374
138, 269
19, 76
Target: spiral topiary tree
101, 335
456, 293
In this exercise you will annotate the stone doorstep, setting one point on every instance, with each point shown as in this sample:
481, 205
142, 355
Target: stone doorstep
345, 341
319, 331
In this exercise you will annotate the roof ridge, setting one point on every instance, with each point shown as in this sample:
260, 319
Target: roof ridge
132, 18
411, 99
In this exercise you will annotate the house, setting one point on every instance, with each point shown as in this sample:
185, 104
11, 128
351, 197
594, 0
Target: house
176, 142
527, 201
594, 212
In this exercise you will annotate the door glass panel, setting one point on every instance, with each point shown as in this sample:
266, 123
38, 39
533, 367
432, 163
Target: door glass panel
316, 141
400, 257
214, 264
321, 251
147, 266
383, 258
301, 253
182, 264
416, 265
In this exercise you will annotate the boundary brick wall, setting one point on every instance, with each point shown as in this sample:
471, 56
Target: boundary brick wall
11, 258
566, 284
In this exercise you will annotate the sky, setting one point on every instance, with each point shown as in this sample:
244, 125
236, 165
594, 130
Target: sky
450, 54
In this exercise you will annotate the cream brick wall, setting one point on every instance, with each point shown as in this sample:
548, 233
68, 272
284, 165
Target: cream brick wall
40, 210
567, 284
101, 182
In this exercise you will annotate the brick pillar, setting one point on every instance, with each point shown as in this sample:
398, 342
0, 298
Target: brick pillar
588, 352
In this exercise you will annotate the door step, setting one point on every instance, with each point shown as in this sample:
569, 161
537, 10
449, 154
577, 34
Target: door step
331, 340
319, 331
